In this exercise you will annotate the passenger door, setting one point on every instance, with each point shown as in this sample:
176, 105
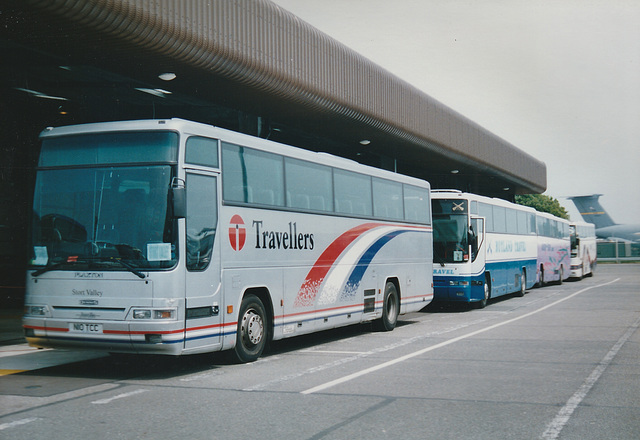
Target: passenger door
202, 259
478, 249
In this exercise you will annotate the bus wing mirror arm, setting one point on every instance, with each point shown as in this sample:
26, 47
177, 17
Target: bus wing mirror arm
179, 198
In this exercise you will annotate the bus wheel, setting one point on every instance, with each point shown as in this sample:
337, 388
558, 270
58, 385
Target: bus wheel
523, 284
390, 308
487, 294
251, 334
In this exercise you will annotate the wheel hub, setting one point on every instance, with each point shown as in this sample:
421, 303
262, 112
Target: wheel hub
252, 327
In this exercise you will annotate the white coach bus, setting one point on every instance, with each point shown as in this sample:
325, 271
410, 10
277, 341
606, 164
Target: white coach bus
483, 247
554, 244
584, 252
174, 237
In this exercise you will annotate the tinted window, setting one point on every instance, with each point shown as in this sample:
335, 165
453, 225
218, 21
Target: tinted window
202, 151
486, 211
416, 204
512, 221
252, 176
202, 219
387, 199
110, 148
499, 219
309, 186
352, 193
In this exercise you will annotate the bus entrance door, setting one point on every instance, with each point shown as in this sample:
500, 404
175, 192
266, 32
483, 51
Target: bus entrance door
477, 239
203, 288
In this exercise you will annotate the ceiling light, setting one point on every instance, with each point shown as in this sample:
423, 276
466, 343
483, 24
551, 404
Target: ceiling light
40, 94
455, 171
365, 142
160, 93
167, 76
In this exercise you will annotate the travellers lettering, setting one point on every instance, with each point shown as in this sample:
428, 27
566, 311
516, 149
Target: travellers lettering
291, 239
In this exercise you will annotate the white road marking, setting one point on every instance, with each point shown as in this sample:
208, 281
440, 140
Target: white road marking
4, 426
561, 419
332, 351
18, 349
360, 355
366, 371
11, 403
119, 396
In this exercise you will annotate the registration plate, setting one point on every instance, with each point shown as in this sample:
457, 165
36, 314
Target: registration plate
81, 327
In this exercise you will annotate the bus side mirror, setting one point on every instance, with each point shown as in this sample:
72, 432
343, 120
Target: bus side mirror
179, 198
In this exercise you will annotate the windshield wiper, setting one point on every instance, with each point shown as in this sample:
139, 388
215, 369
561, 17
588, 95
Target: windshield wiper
54, 266
49, 267
439, 258
129, 267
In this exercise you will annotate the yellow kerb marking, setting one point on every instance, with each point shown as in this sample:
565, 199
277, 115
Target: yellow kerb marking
8, 372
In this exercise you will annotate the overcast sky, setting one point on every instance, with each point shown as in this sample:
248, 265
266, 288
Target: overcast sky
559, 79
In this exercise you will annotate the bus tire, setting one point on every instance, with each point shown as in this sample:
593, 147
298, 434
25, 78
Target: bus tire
523, 284
390, 308
487, 293
251, 336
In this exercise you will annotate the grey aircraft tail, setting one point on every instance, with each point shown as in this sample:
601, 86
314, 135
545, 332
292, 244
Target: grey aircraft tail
591, 210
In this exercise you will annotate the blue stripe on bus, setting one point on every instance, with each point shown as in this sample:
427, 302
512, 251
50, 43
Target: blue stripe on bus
363, 264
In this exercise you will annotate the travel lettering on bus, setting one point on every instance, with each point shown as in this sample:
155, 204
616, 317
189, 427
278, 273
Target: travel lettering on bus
291, 239
510, 246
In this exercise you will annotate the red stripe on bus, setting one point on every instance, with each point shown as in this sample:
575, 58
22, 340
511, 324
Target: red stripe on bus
52, 329
309, 289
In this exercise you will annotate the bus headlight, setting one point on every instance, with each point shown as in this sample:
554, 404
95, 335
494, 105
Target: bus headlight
142, 314
35, 310
459, 283
154, 314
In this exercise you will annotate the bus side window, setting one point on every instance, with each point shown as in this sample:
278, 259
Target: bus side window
202, 219
476, 236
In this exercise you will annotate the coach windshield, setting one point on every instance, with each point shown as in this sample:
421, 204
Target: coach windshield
451, 230
101, 202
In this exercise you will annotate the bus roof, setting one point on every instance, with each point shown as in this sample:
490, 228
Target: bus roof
225, 135
452, 193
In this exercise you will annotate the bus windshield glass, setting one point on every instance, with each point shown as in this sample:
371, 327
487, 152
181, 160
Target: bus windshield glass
450, 230
91, 216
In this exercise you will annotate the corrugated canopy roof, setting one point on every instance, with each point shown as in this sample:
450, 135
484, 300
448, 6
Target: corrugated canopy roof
253, 57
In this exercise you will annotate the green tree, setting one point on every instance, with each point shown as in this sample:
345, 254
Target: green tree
543, 203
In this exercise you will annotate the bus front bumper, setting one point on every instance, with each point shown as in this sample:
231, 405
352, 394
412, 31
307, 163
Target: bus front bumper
458, 291
111, 336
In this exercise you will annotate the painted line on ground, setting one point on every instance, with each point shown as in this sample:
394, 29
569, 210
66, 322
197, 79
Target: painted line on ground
355, 357
13, 424
5, 372
332, 351
20, 349
378, 367
15, 403
119, 396
557, 424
